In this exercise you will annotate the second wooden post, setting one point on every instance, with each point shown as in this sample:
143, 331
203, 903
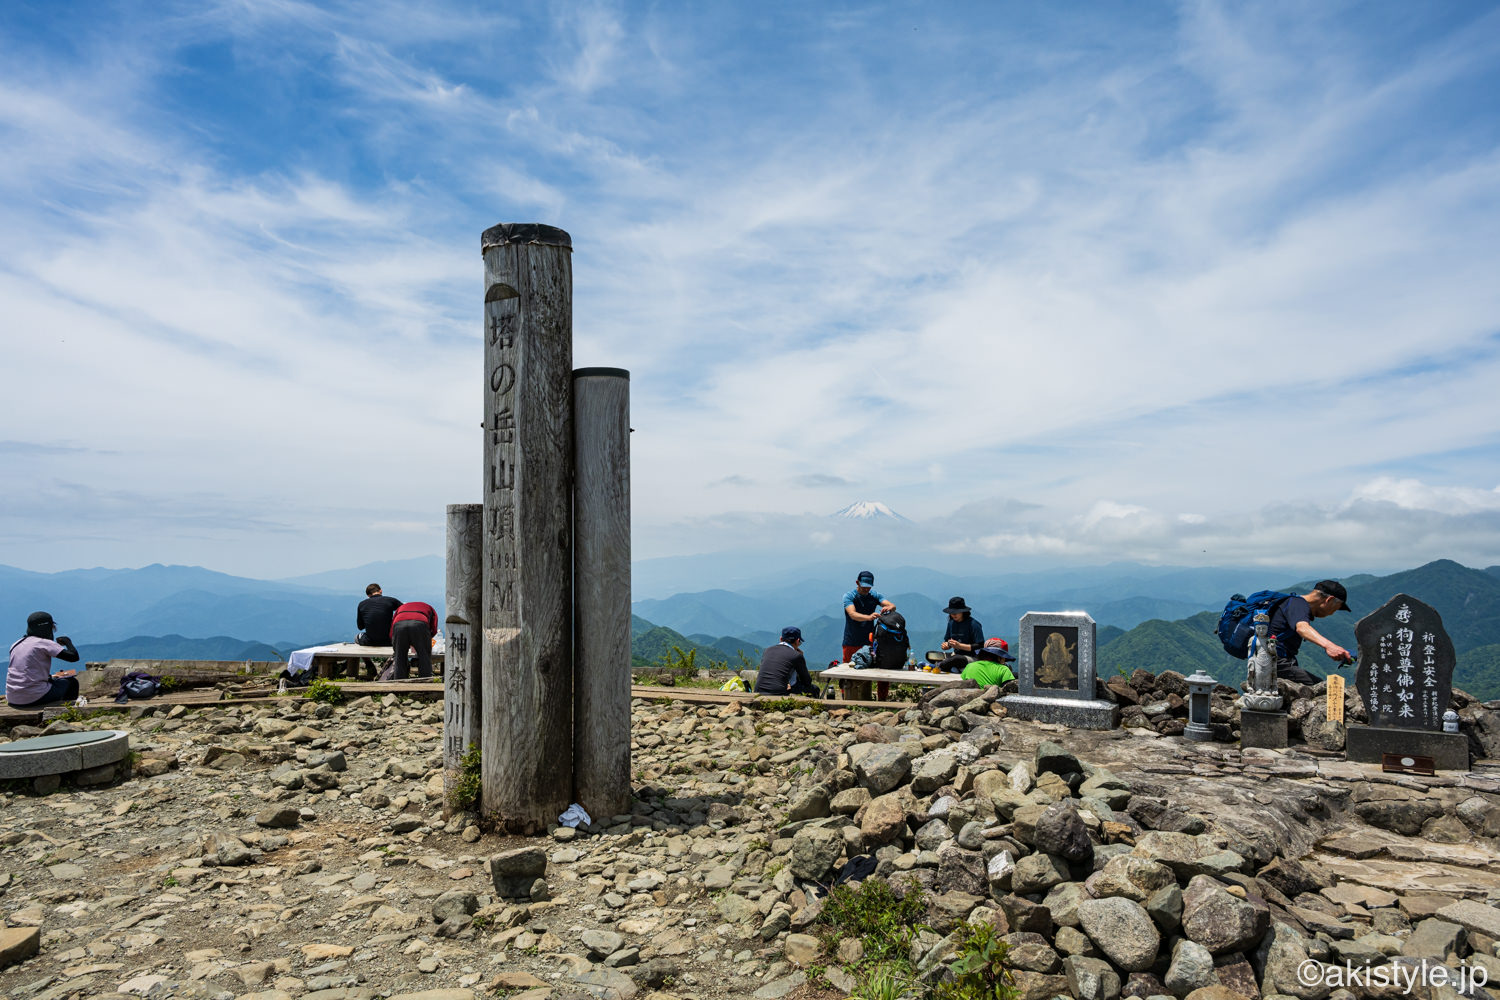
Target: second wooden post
527, 656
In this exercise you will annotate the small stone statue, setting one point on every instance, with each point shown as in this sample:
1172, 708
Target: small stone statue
1450, 721
1263, 696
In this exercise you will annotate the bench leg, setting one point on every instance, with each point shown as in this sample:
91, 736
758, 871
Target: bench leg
883, 691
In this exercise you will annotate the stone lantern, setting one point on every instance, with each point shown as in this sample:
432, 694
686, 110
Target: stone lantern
1200, 687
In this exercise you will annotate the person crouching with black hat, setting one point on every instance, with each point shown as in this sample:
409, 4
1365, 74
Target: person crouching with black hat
963, 637
30, 681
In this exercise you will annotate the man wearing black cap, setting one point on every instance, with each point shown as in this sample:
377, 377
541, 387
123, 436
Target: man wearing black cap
29, 680
783, 663
1291, 622
862, 606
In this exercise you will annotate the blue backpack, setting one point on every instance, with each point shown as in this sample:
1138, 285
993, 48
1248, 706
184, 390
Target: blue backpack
1237, 623
891, 644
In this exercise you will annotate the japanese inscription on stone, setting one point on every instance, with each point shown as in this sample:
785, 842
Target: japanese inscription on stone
1405, 674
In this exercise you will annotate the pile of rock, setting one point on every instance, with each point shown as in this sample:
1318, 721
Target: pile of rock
1098, 891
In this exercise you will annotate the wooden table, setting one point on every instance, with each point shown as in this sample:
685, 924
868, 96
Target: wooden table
330, 661
855, 684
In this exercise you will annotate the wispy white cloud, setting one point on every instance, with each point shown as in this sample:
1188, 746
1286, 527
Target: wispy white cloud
1225, 259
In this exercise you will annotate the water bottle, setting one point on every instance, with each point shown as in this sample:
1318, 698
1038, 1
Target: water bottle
281, 686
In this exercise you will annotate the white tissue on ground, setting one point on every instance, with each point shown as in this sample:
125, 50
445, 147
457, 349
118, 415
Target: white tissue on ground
575, 816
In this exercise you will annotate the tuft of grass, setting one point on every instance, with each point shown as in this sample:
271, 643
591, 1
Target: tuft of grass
908, 692
465, 794
324, 690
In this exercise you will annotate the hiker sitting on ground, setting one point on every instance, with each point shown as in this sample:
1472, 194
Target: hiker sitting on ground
31, 681
1291, 622
990, 665
963, 636
783, 668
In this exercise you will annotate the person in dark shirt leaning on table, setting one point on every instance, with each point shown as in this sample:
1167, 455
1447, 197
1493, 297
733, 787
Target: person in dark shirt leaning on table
412, 627
373, 619
783, 668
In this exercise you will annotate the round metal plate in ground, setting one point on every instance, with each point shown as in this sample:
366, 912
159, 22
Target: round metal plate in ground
62, 753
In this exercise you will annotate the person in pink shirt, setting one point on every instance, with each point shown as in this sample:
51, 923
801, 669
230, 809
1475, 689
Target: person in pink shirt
30, 680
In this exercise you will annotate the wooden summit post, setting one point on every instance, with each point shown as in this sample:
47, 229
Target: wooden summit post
601, 590
461, 672
527, 655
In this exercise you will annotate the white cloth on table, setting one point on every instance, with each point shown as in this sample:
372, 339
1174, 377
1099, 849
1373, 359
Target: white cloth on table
299, 661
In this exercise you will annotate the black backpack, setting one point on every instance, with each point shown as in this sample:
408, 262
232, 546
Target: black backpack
891, 642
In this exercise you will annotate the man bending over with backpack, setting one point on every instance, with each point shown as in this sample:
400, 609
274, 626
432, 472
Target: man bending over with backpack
783, 668
1291, 622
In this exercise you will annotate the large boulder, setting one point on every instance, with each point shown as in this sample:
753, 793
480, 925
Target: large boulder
1219, 921
1061, 831
1130, 876
883, 769
1192, 968
1122, 930
933, 772
1039, 872
815, 850
883, 821
1282, 955
514, 872
962, 871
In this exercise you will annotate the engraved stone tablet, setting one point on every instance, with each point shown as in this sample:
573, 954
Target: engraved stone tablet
1405, 674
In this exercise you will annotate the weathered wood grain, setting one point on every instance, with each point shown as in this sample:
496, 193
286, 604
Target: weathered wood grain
462, 678
526, 655
601, 590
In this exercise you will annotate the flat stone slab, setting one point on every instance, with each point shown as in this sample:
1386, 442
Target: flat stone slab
62, 753
1473, 915
18, 943
1075, 713
1449, 751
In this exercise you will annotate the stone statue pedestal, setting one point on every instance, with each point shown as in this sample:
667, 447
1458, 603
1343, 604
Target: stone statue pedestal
1366, 744
1266, 730
1075, 713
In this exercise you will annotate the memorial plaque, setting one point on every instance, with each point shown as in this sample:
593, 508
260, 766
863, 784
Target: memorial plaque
1405, 673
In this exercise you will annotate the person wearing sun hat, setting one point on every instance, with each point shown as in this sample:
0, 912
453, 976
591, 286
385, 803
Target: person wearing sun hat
1291, 622
990, 665
783, 668
963, 636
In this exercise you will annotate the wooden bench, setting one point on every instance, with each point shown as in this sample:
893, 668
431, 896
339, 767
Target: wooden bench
855, 684
345, 656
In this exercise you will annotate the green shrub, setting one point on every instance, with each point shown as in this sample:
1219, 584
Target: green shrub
324, 690
979, 972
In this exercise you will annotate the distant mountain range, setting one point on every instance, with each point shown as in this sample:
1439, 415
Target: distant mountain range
171, 607
1156, 618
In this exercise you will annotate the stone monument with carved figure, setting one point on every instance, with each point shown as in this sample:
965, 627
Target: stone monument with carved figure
1055, 673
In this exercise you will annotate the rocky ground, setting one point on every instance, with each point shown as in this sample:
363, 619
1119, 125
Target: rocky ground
298, 850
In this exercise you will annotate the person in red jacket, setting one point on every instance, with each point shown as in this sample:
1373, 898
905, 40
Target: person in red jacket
412, 627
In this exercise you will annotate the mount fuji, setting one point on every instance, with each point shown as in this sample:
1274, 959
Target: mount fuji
868, 510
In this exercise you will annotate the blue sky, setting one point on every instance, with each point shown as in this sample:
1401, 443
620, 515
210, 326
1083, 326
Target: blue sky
1192, 283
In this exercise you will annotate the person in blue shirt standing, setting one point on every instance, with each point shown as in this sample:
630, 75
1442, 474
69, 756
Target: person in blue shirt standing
862, 606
